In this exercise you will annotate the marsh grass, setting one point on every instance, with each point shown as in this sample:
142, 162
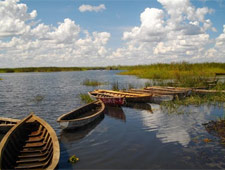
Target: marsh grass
88, 82
184, 74
85, 98
119, 86
175, 106
115, 86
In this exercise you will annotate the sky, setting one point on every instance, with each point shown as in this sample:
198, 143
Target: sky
65, 33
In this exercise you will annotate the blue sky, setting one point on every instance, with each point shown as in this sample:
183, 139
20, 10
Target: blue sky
122, 35
119, 16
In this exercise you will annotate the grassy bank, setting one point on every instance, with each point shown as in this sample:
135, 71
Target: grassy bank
183, 74
52, 69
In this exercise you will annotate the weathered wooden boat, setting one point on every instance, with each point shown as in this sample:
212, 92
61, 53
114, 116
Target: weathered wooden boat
156, 97
175, 91
129, 97
7, 123
107, 99
81, 116
30, 144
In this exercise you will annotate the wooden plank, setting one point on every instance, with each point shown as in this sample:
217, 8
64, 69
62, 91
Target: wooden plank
202, 91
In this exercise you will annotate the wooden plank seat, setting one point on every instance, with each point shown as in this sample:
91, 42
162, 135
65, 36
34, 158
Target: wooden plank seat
35, 163
37, 149
39, 158
37, 133
38, 138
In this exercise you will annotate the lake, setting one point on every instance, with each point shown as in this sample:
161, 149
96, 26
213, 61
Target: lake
134, 137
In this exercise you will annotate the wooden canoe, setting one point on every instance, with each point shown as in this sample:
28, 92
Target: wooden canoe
107, 99
30, 144
81, 116
6, 124
129, 97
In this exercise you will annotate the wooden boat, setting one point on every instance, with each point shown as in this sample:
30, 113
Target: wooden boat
30, 144
7, 123
107, 99
129, 97
81, 116
175, 91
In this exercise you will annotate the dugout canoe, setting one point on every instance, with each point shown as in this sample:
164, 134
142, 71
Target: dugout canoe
30, 144
81, 116
129, 97
6, 124
107, 99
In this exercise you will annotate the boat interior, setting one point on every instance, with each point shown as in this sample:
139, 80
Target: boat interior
28, 147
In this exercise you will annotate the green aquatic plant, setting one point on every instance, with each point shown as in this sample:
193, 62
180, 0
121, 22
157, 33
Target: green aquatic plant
38, 98
85, 98
88, 82
195, 99
115, 86
1, 78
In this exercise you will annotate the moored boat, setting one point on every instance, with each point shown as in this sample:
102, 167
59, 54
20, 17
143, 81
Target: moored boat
30, 144
129, 97
107, 99
81, 116
7, 123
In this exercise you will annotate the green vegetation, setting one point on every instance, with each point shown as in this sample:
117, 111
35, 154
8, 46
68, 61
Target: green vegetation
88, 82
86, 98
1, 79
115, 86
197, 100
53, 69
184, 74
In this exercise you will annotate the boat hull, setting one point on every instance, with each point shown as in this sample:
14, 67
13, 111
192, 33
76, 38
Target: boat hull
81, 116
69, 125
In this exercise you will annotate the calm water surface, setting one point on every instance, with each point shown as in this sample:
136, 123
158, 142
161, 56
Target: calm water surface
125, 138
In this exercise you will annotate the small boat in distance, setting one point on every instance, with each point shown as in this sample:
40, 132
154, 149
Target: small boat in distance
81, 116
7, 123
30, 144
107, 99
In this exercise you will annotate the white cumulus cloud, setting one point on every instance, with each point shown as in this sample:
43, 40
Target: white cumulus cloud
14, 18
175, 33
44, 45
90, 8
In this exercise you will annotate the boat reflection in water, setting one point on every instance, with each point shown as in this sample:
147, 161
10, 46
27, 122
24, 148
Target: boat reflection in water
115, 112
79, 133
139, 106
